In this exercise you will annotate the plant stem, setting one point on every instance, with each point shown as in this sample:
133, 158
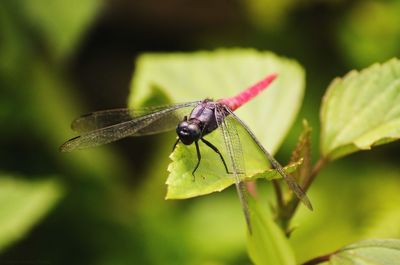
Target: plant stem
252, 188
314, 172
278, 193
286, 210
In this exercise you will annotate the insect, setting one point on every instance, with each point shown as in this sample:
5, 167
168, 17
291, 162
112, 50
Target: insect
192, 122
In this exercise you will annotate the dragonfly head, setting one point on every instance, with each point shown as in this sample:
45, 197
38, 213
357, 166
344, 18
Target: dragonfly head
188, 132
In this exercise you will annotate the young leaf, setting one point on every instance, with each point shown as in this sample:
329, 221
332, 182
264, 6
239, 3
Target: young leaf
267, 244
303, 151
289, 203
368, 252
361, 110
22, 204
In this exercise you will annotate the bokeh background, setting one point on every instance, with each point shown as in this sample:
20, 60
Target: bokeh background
59, 59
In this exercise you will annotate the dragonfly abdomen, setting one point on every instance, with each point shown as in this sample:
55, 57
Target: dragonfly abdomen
246, 95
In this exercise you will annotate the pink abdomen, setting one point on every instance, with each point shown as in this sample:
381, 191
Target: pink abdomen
235, 102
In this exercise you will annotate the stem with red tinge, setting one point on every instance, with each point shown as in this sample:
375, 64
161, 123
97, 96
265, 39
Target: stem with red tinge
318, 260
286, 210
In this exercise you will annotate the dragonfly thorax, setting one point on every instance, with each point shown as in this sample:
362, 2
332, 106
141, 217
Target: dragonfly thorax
189, 131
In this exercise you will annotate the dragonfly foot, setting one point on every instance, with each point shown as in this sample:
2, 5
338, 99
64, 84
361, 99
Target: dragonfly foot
193, 177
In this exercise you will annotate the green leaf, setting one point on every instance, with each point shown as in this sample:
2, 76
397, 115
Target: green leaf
361, 110
22, 204
223, 73
368, 252
267, 244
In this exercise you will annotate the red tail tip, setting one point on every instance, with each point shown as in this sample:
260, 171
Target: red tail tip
271, 77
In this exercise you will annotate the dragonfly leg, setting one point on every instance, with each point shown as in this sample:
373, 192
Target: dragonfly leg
198, 159
213, 147
175, 144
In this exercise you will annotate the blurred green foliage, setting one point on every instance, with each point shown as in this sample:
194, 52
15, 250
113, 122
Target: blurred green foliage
268, 243
22, 204
59, 24
101, 208
350, 212
370, 32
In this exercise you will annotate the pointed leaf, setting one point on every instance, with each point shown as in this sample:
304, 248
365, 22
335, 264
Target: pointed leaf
361, 110
267, 244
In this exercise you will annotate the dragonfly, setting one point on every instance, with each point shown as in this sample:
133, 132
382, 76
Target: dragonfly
192, 121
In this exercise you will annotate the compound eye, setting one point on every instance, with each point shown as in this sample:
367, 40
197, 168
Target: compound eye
183, 126
185, 133
194, 130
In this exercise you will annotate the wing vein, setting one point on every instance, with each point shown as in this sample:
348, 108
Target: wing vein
233, 148
291, 182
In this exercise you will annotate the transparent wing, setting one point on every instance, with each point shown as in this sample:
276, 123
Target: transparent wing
106, 130
104, 118
291, 182
235, 156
